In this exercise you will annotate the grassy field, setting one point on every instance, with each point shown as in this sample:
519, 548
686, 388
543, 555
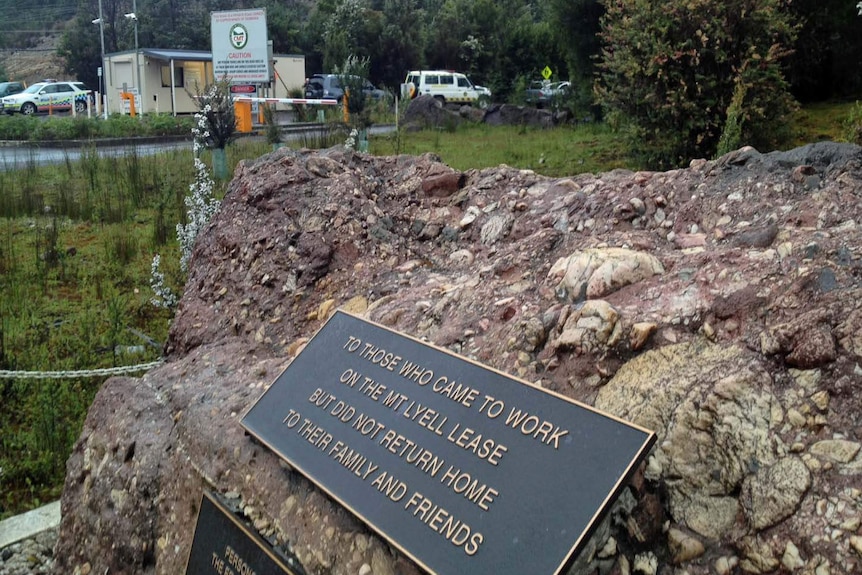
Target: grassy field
77, 241
76, 245
560, 152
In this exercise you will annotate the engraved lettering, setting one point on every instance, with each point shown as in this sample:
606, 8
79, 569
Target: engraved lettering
291, 419
394, 400
314, 434
494, 407
416, 373
367, 425
426, 417
464, 484
343, 411
372, 389
352, 344
443, 522
390, 486
321, 398
458, 392
352, 460
529, 424
484, 448
349, 377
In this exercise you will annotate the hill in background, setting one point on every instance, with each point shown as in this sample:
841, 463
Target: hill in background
35, 63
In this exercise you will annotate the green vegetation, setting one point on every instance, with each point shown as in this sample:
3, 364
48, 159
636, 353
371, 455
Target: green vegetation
680, 77
832, 121
564, 151
65, 127
76, 244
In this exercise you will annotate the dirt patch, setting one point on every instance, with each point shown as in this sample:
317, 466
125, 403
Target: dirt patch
35, 63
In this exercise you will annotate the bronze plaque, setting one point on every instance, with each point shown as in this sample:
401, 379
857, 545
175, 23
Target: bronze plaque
225, 545
462, 467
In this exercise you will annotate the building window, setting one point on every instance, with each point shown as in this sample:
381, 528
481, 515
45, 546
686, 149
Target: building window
166, 76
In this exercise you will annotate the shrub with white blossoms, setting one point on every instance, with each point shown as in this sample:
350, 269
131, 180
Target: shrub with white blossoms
164, 296
215, 122
201, 206
350, 142
215, 127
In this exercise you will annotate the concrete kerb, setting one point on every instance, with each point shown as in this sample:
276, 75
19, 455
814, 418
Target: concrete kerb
29, 524
100, 142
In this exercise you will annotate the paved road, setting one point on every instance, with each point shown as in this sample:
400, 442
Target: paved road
14, 157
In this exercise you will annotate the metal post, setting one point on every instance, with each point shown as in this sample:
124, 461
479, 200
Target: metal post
103, 86
137, 61
133, 16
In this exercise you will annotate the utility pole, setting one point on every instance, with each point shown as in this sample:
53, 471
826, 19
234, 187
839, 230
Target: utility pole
133, 16
102, 82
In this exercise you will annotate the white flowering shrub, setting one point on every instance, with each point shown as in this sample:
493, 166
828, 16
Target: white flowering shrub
201, 206
350, 142
215, 122
163, 295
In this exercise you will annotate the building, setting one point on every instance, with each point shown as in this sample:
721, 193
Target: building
164, 81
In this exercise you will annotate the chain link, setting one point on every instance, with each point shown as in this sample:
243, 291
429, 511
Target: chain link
107, 371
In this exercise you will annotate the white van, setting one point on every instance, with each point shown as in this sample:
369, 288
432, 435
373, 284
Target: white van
446, 86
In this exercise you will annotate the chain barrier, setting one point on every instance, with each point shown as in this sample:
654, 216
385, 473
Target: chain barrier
107, 371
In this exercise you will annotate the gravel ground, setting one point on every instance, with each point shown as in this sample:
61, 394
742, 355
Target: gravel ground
33, 556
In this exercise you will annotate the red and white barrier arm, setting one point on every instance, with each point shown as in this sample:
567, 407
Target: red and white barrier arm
326, 102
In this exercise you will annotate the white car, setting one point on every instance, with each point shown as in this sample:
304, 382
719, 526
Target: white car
48, 97
446, 86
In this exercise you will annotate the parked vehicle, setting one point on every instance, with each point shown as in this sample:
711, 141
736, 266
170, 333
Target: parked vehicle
328, 86
48, 96
9, 88
542, 93
446, 86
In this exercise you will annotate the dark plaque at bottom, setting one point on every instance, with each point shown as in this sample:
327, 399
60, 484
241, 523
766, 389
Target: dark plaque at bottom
224, 545
462, 467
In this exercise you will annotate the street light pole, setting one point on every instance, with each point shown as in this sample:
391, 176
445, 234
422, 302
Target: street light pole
133, 16
103, 100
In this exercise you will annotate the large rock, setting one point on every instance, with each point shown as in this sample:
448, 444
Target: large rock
724, 313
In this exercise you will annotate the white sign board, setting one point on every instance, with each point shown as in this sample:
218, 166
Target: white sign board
239, 45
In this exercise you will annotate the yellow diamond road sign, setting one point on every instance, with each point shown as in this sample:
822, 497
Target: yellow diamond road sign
546, 73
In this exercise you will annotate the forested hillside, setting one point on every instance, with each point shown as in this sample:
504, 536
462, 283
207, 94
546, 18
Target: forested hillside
732, 60
500, 42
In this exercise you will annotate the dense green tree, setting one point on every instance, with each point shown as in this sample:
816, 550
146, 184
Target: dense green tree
506, 43
399, 48
670, 69
825, 62
576, 25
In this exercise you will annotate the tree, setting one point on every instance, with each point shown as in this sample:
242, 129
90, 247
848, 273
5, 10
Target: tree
825, 62
669, 72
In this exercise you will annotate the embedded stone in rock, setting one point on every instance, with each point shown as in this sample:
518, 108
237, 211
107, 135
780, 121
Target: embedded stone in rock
683, 546
593, 326
442, 185
760, 237
496, 228
773, 493
838, 450
597, 272
712, 406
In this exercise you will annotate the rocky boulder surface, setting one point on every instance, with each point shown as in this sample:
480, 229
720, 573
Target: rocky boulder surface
427, 111
719, 305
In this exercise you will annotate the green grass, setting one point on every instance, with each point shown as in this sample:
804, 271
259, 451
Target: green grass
76, 245
555, 152
822, 121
